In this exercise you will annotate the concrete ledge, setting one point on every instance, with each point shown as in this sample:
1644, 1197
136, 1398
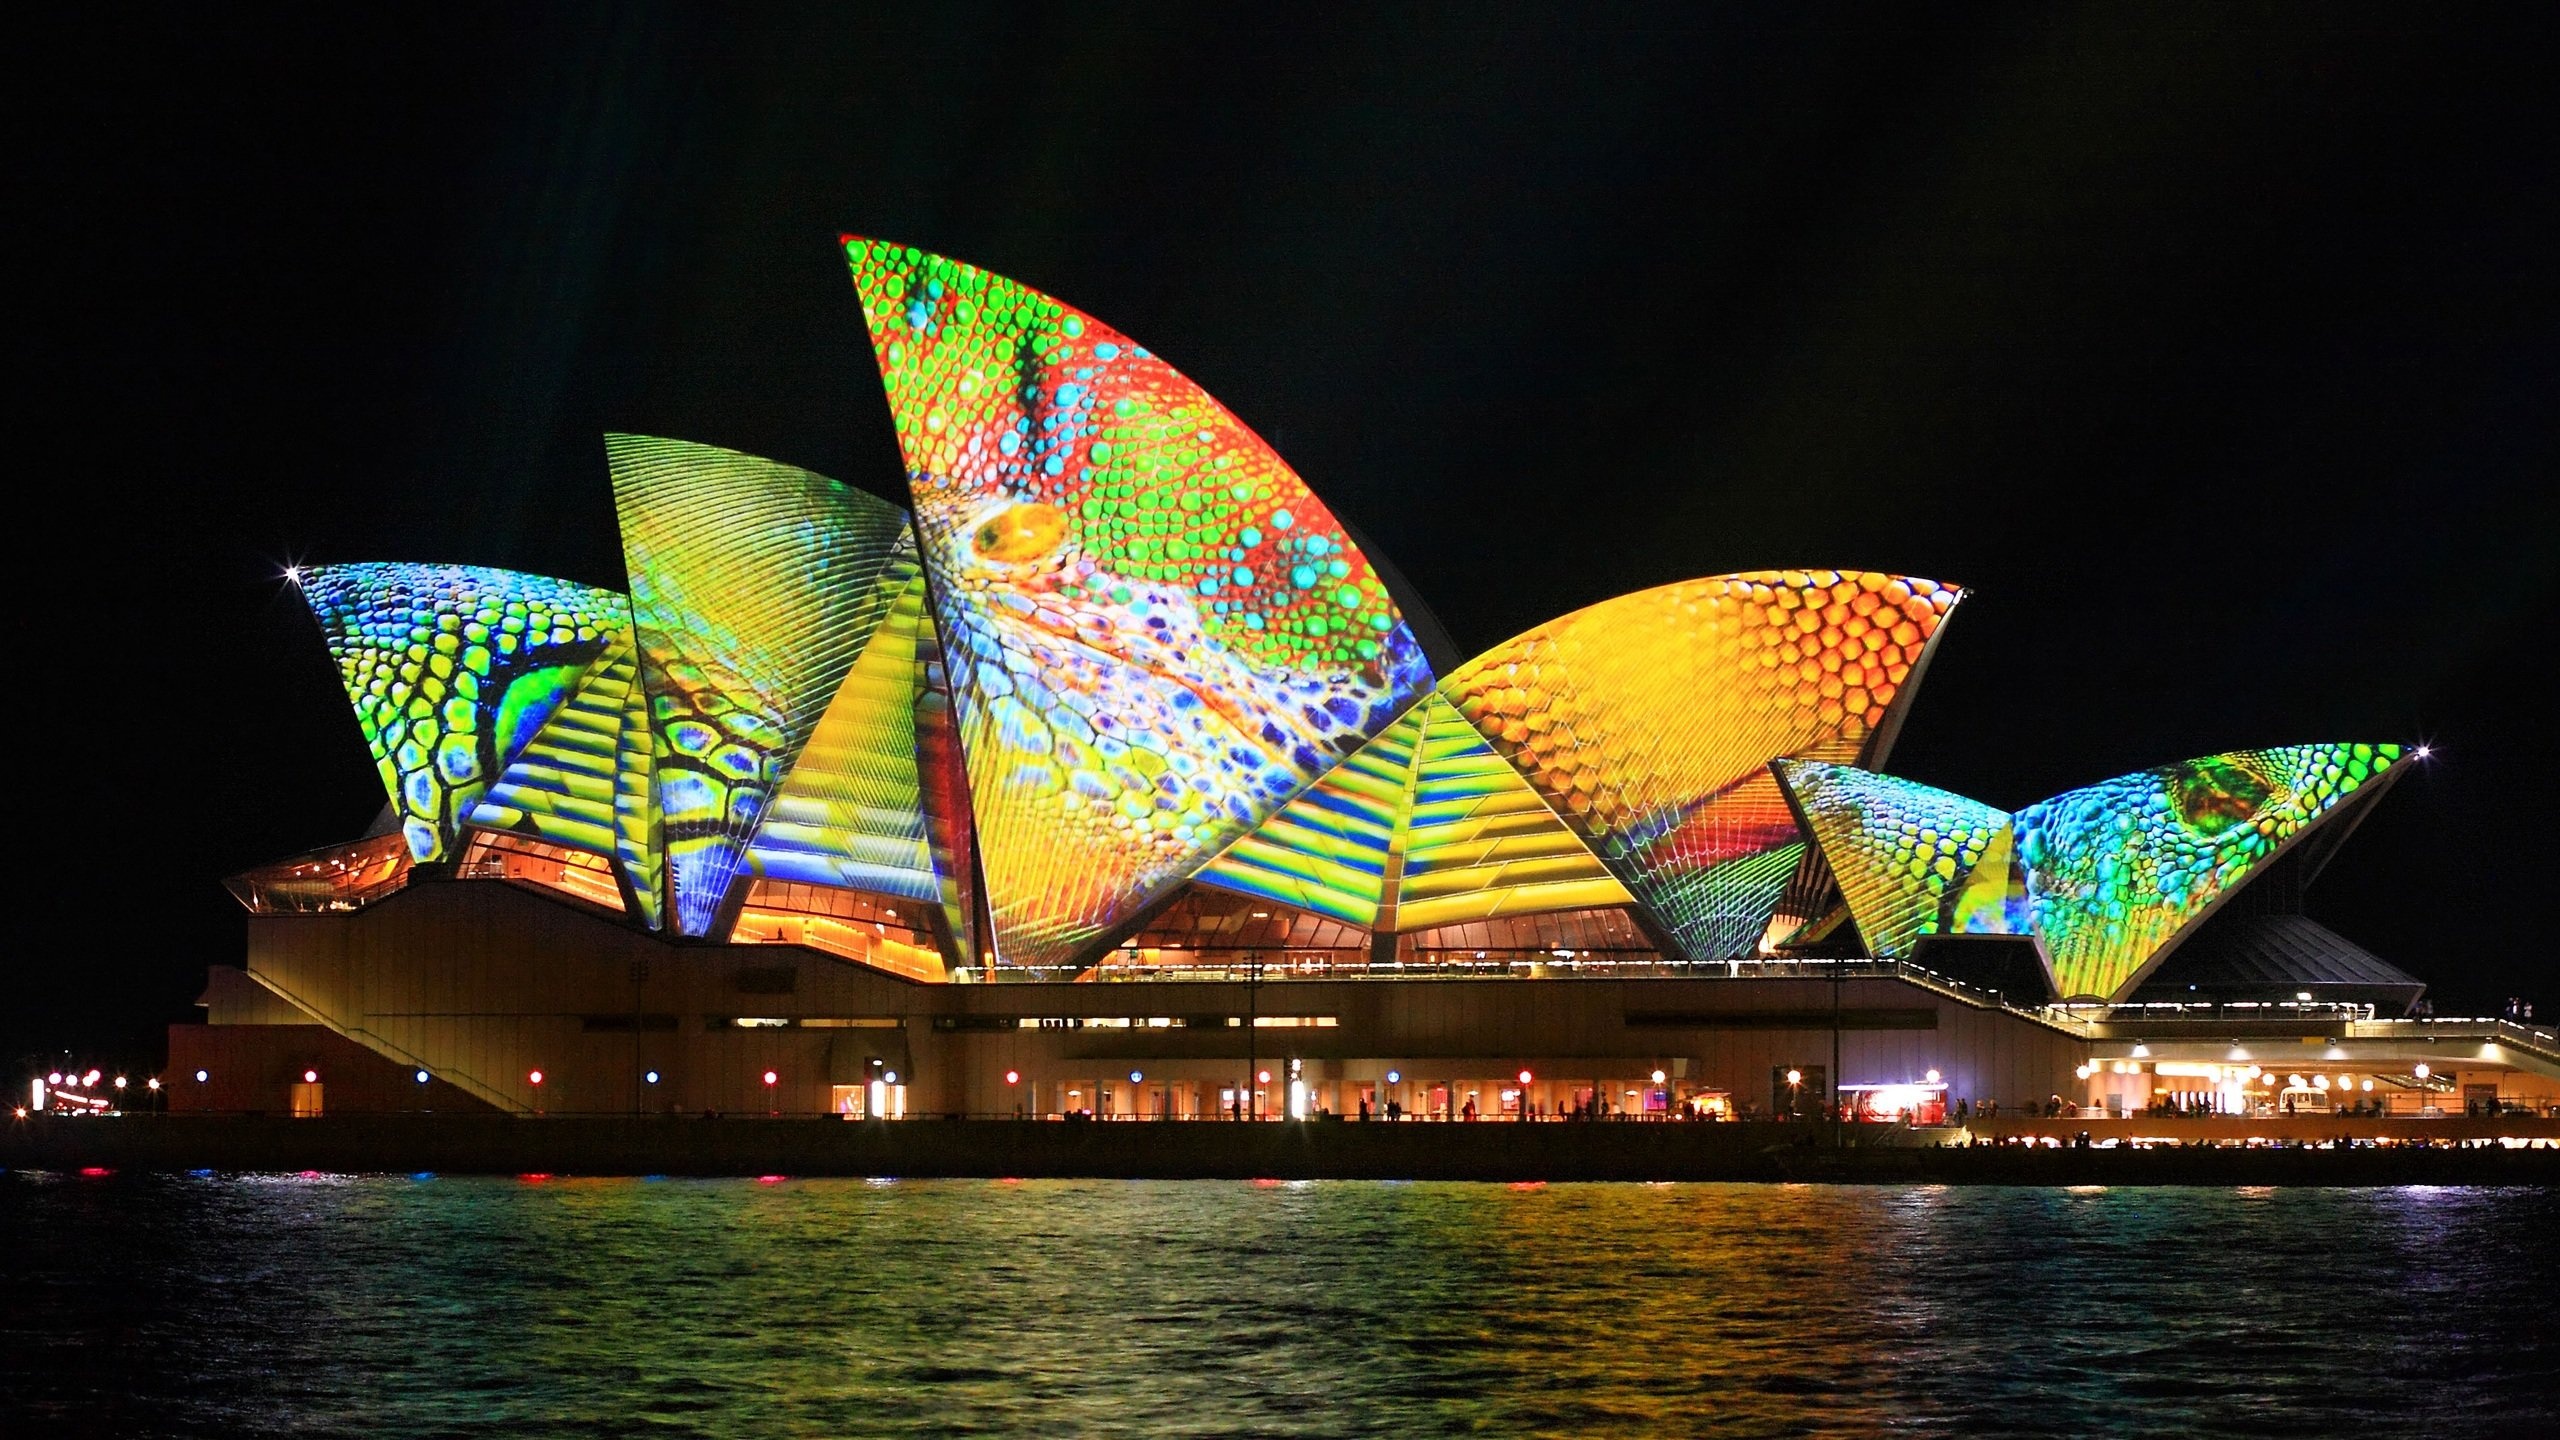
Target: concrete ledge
1492, 1151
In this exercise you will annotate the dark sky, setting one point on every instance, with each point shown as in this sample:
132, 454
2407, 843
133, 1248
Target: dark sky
2215, 348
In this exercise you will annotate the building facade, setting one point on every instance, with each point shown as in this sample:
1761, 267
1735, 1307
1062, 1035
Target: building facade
1112, 776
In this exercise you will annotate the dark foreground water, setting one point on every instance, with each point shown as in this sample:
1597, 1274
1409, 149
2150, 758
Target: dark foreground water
396, 1306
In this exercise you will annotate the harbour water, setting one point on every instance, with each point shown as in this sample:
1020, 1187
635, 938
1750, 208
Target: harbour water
214, 1305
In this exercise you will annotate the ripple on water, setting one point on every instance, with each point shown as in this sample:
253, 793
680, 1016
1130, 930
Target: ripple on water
332, 1305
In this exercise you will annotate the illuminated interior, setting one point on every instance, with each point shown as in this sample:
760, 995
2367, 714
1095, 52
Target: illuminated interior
875, 930
326, 881
1561, 940
492, 855
1206, 932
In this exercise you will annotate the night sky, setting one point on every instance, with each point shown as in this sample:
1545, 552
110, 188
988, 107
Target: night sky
2215, 349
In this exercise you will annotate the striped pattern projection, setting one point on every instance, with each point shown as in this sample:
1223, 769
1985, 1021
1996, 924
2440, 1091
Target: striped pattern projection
943, 782
2116, 872
560, 789
451, 670
1425, 826
851, 812
1477, 842
1899, 850
1157, 635
1328, 850
639, 832
1648, 722
754, 587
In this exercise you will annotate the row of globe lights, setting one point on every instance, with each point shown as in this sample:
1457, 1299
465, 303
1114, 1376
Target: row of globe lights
2421, 1070
57, 1079
533, 1077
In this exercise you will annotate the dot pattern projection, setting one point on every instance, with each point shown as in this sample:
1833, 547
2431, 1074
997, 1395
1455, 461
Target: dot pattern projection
851, 812
2117, 871
1648, 722
451, 669
1898, 849
1328, 850
1156, 634
754, 587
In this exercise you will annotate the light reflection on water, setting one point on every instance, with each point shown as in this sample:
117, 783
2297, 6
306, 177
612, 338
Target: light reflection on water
325, 1305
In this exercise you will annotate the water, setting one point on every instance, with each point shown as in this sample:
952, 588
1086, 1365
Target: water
329, 1305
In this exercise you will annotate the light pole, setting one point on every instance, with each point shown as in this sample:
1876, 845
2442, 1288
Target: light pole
1831, 1082
1252, 978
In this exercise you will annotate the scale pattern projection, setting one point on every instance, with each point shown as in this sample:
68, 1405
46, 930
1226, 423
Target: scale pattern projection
2116, 871
1899, 850
1477, 841
560, 788
451, 670
754, 586
1648, 722
1156, 635
1328, 851
851, 812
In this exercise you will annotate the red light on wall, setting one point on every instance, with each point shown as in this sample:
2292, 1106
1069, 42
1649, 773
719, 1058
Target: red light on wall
534, 1076
1264, 1078
310, 1077
770, 1077
1013, 1077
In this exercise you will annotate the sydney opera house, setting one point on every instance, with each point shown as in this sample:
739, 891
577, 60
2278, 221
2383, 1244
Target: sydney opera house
1112, 775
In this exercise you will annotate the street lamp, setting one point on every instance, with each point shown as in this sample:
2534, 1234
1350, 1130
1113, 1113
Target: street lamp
1794, 1078
1525, 1078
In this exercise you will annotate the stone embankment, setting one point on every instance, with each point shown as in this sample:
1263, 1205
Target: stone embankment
2458, 1152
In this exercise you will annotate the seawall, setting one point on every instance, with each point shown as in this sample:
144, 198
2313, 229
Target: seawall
1490, 1151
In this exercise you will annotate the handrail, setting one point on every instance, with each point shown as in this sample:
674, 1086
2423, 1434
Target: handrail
462, 1080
